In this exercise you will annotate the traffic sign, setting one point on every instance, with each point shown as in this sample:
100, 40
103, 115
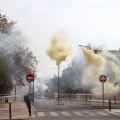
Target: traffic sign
30, 77
102, 78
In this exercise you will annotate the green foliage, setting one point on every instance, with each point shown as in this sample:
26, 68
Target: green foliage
5, 24
6, 84
71, 79
55, 80
19, 58
25, 62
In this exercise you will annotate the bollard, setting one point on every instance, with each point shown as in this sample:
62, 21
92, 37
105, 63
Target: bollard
109, 104
9, 110
90, 96
86, 98
114, 99
6, 100
65, 97
29, 108
70, 97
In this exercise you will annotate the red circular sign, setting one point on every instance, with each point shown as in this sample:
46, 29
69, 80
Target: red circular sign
102, 78
30, 77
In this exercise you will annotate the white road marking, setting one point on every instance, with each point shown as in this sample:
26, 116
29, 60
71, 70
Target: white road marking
92, 114
65, 113
40, 114
53, 114
114, 113
78, 113
102, 113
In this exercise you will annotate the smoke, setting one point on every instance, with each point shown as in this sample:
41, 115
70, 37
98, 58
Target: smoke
97, 64
86, 67
59, 49
111, 69
18, 56
91, 58
40, 85
77, 68
8, 43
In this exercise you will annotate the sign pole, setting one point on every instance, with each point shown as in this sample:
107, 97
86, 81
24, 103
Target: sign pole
103, 92
33, 89
29, 87
30, 78
102, 78
33, 92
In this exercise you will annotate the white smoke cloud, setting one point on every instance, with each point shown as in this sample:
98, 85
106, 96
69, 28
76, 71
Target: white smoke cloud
39, 84
94, 69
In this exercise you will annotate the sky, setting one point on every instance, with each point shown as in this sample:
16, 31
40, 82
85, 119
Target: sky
86, 21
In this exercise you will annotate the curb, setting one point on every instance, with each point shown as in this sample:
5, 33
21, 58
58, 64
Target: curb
34, 113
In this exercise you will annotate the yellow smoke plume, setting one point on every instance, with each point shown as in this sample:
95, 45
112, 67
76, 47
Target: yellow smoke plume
59, 49
93, 59
94, 67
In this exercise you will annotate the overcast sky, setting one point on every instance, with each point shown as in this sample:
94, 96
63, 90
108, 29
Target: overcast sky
87, 21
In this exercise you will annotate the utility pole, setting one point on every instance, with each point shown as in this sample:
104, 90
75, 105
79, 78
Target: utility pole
15, 92
33, 89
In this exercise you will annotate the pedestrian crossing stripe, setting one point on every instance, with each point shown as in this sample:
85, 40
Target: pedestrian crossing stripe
91, 114
102, 113
53, 114
78, 113
113, 113
65, 113
40, 114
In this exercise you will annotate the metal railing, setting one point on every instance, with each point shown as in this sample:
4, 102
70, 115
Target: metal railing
9, 100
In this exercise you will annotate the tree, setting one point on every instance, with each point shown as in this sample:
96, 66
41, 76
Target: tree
5, 25
71, 78
52, 85
25, 62
6, 84
18, 56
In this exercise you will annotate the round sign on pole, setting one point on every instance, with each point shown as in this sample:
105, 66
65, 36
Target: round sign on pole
30, 77
102, 78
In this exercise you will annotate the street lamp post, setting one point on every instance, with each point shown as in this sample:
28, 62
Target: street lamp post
86, 46
15, 92
33, 89
58, 86
58, 98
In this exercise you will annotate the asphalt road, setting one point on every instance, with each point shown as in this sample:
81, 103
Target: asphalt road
48, 109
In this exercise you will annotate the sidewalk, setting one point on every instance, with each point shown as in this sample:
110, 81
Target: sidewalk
19, 111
